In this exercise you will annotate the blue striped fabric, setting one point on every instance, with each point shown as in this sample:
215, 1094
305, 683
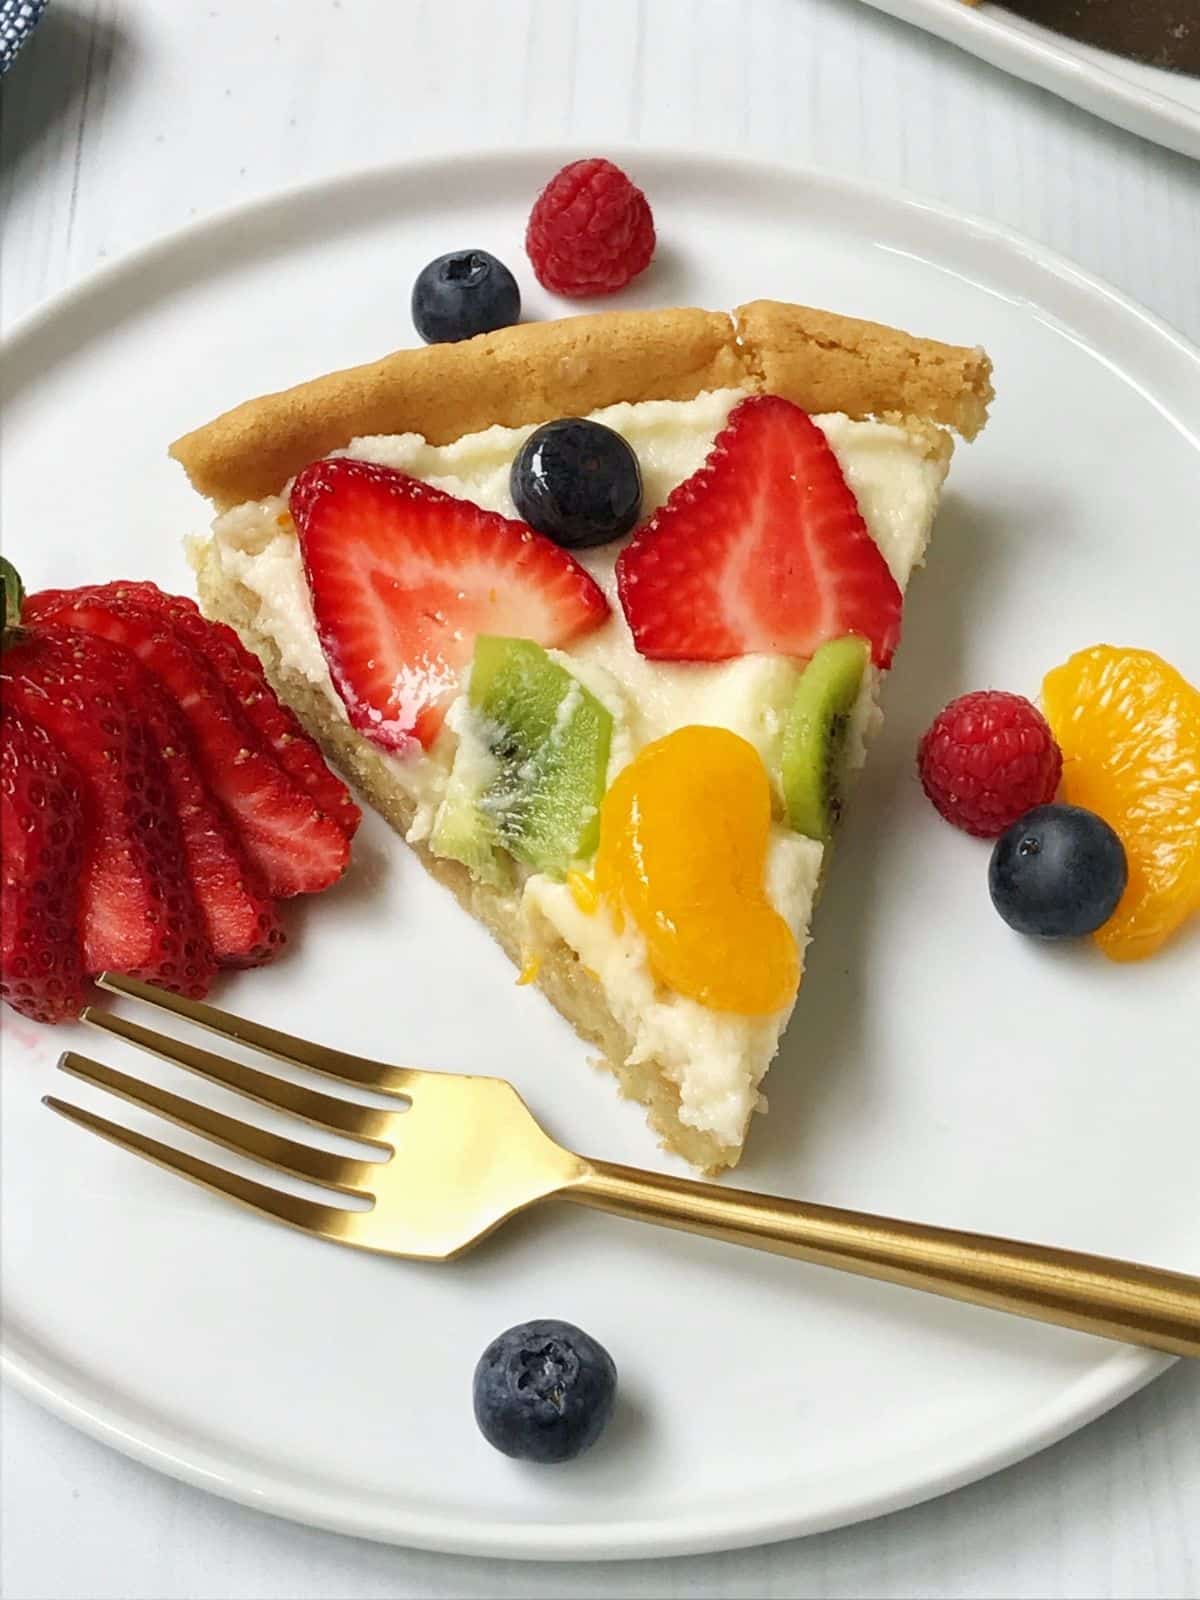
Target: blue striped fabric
18, 19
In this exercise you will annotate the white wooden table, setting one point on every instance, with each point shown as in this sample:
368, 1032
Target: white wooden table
125, 118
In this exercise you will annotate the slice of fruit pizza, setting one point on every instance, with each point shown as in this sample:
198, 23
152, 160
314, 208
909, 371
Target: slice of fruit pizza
596, 613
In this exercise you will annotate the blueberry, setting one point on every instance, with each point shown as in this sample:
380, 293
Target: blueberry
1057, 873
544, 1391
462, 294
578, 482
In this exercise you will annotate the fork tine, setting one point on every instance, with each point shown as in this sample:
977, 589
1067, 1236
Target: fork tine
286, 1155
330, 1222
341, 1116
283, 1046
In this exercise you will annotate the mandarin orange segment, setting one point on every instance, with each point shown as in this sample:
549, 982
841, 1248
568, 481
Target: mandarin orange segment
1129, 727
683, 850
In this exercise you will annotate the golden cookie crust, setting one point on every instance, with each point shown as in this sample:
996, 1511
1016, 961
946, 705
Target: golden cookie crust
825, 362
538, 370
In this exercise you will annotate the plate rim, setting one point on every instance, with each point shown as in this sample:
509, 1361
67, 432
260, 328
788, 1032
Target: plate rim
570, 1541
50, 1383
1050, 63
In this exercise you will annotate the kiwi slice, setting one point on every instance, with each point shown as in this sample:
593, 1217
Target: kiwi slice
461, 830
814, 736
531, 767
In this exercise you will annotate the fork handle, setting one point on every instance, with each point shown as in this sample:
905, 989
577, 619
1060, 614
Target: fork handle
1095, 1294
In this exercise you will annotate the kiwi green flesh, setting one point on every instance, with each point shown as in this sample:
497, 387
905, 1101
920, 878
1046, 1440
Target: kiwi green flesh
462, 832
548, 739
814, 736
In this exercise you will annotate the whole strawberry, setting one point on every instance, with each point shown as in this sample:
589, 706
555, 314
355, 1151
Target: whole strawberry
590, 230
405, 577
987, 759
762, 551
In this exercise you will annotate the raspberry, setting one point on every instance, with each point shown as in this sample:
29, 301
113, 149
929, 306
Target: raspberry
590, 230
987, 759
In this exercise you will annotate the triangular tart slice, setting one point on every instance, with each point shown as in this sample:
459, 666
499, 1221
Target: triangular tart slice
626, 759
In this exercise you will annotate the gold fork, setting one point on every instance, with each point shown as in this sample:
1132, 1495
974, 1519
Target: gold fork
460, 1155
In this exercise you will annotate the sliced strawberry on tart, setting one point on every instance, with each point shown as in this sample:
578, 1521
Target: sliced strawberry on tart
596, 613
404, 578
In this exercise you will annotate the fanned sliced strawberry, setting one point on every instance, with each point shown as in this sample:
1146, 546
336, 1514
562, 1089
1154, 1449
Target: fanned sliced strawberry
241, 918
403, 578
137, 910
298, 754
41, 857
297, 847
242, 673
762, 550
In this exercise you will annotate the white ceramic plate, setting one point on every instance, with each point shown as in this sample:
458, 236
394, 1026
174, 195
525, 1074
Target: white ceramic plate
1159, 105
937, 1067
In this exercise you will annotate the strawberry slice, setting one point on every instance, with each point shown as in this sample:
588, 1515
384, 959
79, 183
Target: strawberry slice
761, 551
41, 857
137, 911
242, 672
403, 577
241, 918
297, 753
295, 846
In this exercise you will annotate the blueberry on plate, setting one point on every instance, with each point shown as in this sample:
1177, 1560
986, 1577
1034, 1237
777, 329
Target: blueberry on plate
577, 482
544, 1391
462, 294
1057, 873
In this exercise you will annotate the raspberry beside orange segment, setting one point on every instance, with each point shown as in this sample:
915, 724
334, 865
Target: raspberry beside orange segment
1129, 727
986, 759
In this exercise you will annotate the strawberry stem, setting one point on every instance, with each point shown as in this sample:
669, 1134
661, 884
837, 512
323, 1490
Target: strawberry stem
14, 594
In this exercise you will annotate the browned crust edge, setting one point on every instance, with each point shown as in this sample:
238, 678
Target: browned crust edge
538, 370
825, 362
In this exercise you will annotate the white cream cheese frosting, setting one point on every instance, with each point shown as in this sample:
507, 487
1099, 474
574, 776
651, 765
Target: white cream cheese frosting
716, 1058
